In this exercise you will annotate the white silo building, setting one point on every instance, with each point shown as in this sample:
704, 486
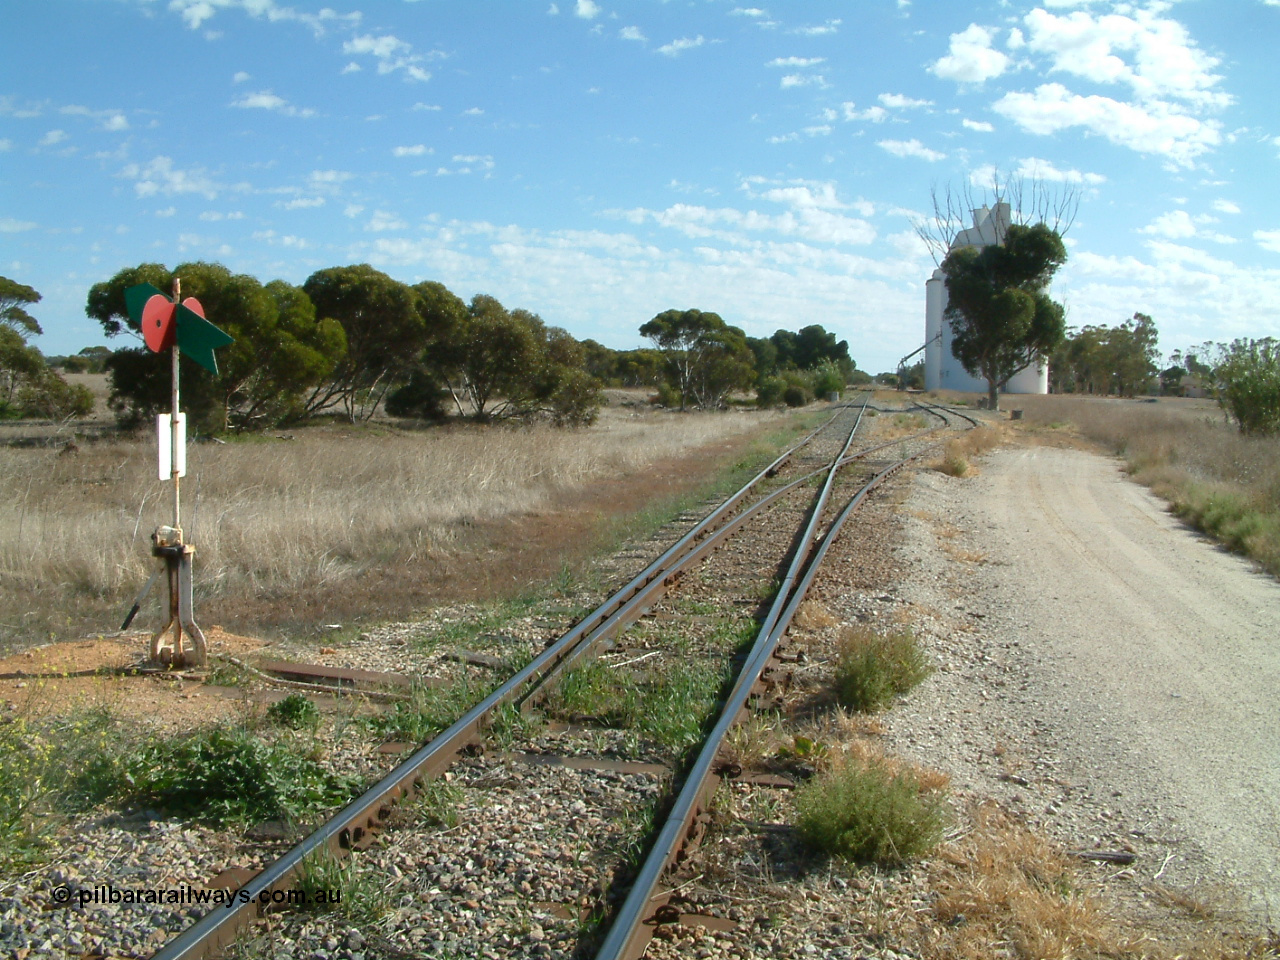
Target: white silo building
942, 371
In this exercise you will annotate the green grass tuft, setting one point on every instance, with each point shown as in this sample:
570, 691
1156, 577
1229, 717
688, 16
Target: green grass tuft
873, 668
868, 811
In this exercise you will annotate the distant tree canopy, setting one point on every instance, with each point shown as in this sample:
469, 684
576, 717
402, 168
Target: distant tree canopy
29, 387
281, 351
1119, 360
1247, 384
704, 357
352, 340
1001, 315
347, 340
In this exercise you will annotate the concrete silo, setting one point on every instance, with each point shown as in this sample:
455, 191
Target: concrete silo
942, 371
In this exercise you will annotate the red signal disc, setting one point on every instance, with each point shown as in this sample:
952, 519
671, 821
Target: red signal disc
158, 326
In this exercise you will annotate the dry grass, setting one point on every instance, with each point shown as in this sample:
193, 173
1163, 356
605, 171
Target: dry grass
1003, 890
958, 454
1004, 886
1226, 484
271, 517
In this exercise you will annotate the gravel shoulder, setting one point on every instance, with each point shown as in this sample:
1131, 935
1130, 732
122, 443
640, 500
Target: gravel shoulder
1104, 670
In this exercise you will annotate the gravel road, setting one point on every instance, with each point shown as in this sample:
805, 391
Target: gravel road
1103, 668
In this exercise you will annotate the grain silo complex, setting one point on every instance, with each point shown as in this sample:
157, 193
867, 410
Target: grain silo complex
942, 371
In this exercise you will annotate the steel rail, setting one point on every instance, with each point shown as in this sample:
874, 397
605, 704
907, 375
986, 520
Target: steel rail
633, 606
631, 930
220, 927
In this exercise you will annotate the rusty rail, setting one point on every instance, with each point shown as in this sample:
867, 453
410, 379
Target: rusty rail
354, 826
633, 924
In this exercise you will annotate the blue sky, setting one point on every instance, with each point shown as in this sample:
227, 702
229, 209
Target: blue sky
599, 162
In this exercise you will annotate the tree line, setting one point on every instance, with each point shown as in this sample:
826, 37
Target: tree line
352, 340
29, 385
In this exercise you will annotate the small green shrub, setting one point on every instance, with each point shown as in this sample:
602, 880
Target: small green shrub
215, 775
769, 391
25, 768
869, 812
670, 707
295, 711
827, 379
796, 396
1248, 375
669, 396
873, 668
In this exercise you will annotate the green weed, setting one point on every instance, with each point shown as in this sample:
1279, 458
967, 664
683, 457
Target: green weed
428, 710
216, 775
295, 711
333, 884
873, 668
869, 811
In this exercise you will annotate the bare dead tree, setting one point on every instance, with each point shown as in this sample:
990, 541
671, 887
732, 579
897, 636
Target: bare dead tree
1033, 200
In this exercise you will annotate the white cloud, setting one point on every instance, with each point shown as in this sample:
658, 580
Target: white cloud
115, 123
427, 106
805, 221
1175, 225
473, 162
417, 150
553, 10
873, 114
981, 126
586, 9
1166, 63
391, 53
971, 58
351, 67
382, 221
6, 145
160, 177
632, 33
266, 100
677, 47
10, 225
1158, 128
304, 203
240, 77
53, 137
167, 212
897, 101
1044, 171
1226, 206
327, 180
784, 138
831, 26
802, 80
755, 12
910, 148
796, 61
1268, 239
197, 12
352, 210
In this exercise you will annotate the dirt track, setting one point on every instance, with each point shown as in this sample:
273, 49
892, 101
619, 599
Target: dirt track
1135, 665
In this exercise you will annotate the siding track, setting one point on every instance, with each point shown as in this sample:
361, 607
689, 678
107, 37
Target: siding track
528, 767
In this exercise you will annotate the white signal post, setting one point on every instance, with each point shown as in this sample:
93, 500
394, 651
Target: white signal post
168, 542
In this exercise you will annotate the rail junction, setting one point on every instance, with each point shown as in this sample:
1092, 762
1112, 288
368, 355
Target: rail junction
728, 590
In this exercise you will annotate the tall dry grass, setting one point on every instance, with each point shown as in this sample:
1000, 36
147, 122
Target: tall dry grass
1224, 483
271, 516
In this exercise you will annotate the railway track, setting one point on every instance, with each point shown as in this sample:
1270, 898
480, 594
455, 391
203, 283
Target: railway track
702, 626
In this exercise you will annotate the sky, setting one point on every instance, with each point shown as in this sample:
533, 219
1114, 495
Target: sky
599, 162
